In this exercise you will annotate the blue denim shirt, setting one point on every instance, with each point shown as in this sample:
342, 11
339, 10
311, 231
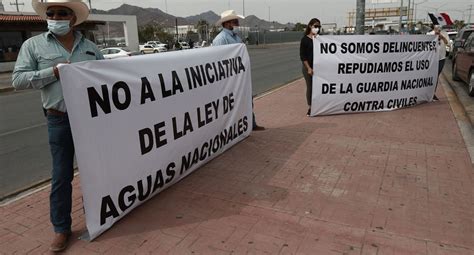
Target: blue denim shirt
225, 37
36, 59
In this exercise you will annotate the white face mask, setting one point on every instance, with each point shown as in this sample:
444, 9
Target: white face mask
315, 30
59, 27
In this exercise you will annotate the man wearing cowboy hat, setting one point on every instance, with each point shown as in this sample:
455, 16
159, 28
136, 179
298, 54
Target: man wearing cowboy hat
229, 20
36, 67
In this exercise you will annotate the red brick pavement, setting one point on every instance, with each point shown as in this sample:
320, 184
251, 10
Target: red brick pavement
378, 183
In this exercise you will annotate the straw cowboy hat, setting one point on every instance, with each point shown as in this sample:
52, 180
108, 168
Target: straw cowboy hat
79, 8
228, 15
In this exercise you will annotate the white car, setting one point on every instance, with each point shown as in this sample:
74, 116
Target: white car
152, 48
184, 45
449, 47
158, 43
110, 53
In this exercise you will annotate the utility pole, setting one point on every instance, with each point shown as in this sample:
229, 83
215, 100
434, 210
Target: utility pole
416, 5
243, 8
90, 5
408, 12
17, 4
166, 6
177, 35
401, 15
470, 9
269, 14
360, 17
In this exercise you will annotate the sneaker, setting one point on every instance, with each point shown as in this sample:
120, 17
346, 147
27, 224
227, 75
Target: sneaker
258, 128
435, 98
308, 113
60, 242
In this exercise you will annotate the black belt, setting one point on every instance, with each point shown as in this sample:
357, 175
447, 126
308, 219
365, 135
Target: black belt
55, 112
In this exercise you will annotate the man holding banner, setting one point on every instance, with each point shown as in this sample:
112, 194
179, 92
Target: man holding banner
229, 20
36, 67
442, 42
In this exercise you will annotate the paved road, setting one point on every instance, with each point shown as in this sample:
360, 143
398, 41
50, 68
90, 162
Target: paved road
24, 151
274, 66
24, 155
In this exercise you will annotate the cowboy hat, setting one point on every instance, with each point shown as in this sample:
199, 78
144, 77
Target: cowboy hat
79, 8
228, 15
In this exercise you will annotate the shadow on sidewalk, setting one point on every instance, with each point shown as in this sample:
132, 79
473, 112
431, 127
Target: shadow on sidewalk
228, 192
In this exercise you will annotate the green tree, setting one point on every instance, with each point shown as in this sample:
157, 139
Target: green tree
146, 33
162, 35
458, 24
299, 27
153, 32
214, 31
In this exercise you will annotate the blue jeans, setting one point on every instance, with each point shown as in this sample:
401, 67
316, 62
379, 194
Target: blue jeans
62, 153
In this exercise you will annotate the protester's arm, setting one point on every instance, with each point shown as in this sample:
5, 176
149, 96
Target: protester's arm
443, 36
26, 73
310, 69
304, 56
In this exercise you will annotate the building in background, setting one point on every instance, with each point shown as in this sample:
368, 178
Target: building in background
15, 28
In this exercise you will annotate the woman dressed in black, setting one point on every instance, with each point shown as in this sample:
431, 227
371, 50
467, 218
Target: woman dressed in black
306, 55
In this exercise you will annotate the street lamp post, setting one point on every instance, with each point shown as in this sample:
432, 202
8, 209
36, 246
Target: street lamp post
360, 17
401, 15
414, 10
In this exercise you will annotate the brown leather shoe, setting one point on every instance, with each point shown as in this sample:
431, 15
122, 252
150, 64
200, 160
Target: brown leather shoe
258, 128
60, 241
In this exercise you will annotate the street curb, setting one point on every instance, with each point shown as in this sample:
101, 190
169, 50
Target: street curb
271, 91
25, 192
6, 89
462, 119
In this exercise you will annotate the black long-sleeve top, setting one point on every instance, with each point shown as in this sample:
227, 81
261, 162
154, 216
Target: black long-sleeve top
306, 50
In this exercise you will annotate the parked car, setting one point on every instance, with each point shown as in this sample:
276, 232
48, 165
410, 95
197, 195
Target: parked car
151, 48
463, 64
110, 53
461, 37
184, 46
449, 47
160, 44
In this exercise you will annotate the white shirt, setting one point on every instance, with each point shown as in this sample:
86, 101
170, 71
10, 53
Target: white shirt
441, 44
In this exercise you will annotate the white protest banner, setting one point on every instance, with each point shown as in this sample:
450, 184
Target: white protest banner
142, 123
369, 73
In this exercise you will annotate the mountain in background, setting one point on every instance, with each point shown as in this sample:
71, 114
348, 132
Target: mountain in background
144, 15
156, 16
209, 16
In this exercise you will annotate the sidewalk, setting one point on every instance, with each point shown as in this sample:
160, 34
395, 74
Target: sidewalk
378, 183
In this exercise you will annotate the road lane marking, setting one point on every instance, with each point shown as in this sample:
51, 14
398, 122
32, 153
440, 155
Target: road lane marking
22, 129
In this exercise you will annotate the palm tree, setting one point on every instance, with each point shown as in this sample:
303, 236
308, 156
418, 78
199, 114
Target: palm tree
458, 24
